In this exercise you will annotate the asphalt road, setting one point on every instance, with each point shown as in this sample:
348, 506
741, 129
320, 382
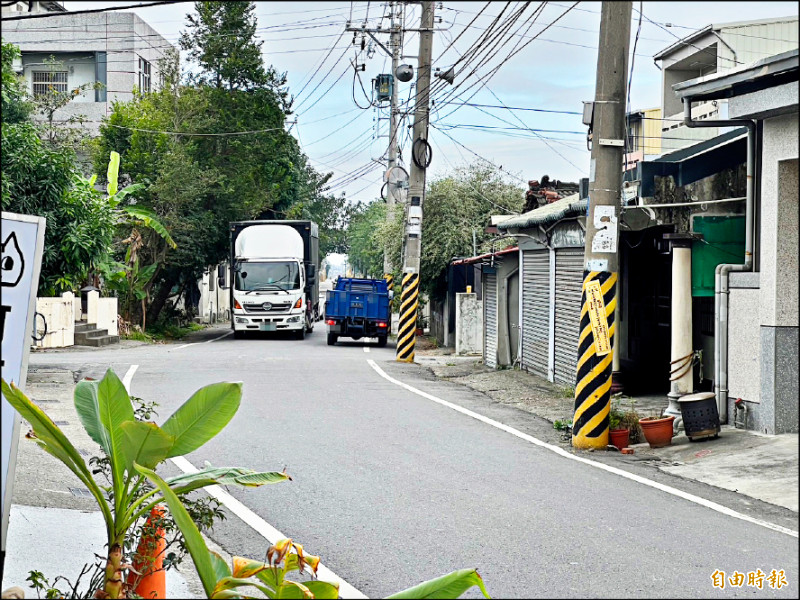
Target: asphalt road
391, 488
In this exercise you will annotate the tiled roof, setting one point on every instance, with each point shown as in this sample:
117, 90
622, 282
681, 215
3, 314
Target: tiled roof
566, 207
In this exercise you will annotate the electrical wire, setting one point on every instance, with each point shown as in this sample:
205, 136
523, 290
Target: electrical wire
91, 10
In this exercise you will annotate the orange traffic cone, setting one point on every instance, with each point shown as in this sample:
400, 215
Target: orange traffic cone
149, 561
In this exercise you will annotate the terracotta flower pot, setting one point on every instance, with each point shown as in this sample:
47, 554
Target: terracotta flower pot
657, 432
620, 437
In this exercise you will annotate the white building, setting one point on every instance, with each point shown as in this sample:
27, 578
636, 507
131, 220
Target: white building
714, 49
117, 49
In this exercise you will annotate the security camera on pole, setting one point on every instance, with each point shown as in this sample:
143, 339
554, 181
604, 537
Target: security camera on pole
420, 160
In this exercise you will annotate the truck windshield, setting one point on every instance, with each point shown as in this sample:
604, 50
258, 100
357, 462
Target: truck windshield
265, 276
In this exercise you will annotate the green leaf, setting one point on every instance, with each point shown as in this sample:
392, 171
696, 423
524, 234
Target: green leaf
87, 405
203, 416
447, 586
145, 443
221, 568
191, 535
323, 590
292, 590
227, 476
51, 439
113, 173
150, 219
115, 409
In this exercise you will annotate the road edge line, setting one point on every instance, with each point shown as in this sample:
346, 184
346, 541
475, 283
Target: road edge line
560, 451
267, 531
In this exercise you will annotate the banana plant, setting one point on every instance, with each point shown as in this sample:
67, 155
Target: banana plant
106, 413
284, 556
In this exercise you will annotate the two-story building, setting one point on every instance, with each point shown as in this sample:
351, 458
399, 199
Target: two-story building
65, 51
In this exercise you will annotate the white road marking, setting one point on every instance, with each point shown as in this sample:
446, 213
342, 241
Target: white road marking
126, 381
366, 348
560, 451
265, 529
207, 341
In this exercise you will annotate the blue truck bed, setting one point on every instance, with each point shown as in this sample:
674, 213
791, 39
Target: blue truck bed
358, 308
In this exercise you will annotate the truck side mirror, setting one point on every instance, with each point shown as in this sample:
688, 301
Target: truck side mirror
221, 276
311, 273
391, 294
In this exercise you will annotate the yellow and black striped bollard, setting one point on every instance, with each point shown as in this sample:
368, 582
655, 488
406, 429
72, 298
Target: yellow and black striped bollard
407, 331
595, 354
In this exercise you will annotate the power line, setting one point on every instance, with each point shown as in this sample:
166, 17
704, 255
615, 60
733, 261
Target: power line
91, 10
229, 133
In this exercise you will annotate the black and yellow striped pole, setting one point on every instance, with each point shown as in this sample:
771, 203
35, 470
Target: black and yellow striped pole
420, 160
599, 298
595, 356
407, 329
389, 277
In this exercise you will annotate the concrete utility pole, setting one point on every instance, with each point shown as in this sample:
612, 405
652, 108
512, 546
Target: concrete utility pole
396, 47
420, 157
599, 301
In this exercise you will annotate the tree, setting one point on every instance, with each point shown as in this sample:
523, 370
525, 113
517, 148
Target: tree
457, 205
15, 106
214, 149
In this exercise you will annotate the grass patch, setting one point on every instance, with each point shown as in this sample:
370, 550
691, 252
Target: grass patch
567, 391
160, 333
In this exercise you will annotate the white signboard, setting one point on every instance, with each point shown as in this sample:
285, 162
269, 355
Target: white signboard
22, 239
605, 222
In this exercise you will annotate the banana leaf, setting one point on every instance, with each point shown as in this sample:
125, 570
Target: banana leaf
447, 586
202, 416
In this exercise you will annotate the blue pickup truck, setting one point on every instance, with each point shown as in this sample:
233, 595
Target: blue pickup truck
358, 308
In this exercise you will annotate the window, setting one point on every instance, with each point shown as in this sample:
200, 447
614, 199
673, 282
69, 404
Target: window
144, 75
45, 81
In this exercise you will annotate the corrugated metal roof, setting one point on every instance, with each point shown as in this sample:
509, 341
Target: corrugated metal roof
550, 213
474, 259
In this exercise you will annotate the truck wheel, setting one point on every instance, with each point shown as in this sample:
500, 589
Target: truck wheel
332, 339
381, 341
300, 334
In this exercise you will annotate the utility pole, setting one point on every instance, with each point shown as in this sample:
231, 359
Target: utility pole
396, 47
420, 159
599, 299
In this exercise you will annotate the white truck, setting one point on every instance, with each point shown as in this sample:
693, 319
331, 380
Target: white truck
274, 270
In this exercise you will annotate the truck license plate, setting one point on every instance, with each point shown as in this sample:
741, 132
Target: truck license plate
356, 305
268, 326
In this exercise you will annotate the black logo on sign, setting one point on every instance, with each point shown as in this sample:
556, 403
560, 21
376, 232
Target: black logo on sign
11, 261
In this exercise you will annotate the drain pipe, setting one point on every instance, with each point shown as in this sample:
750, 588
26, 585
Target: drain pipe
721, 290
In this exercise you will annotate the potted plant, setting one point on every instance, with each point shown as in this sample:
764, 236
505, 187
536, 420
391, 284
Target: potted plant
623, 425
657, 430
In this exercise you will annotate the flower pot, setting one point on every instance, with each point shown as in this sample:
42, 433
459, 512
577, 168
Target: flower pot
620, 437
657, 431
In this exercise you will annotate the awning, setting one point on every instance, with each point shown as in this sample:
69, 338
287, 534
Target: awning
693, 163
550, 213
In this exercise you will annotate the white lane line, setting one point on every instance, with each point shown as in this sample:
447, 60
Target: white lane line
560, 451
265, 529
366, 348
207, 341
126, 381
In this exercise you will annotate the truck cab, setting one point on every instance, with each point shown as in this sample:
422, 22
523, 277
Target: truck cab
274, 283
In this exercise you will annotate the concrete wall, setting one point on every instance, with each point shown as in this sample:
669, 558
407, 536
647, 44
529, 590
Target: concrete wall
58, 314
744, 367
102, 312
469, 324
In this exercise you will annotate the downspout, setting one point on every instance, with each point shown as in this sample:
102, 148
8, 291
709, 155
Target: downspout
721, 274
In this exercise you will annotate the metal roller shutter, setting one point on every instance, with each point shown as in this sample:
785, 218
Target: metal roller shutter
535, 310
569, 285
490, 319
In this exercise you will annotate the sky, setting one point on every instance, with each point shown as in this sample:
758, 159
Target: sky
529, 123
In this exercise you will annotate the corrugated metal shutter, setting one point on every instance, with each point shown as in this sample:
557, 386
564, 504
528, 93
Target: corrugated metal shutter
490, 319
569, 285
535, 310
